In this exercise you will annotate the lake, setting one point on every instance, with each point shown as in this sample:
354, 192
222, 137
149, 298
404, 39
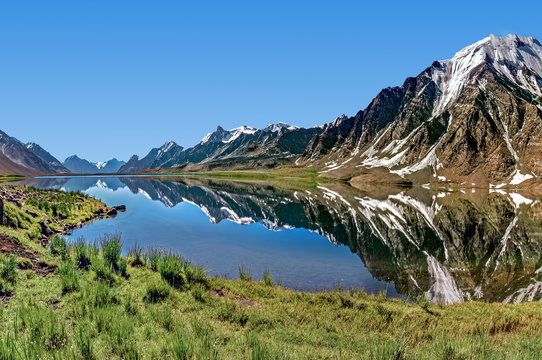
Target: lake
452, 245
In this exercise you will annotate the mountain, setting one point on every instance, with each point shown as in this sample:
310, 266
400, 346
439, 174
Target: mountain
169, 150
475, 119
77, 165
16, 158
111, 166
47, 157
244, 146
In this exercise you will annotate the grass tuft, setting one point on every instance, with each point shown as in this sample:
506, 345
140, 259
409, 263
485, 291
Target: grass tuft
245, 274
268, 280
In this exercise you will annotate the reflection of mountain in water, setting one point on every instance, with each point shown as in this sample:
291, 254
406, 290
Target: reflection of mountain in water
453, 247
450, 246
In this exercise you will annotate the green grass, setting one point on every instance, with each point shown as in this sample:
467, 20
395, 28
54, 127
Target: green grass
281, 177
27, 229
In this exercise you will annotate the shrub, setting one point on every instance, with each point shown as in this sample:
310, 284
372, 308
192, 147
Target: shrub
195, 273
111, 245
423, 301
198, 293
8, 272
244, 273
130, 307
164, 317
137, 256
154, 255
101, 295
69, 279
83, 253
171, 268
59, 247
267, 278
103, 270
123, 268
8, 268
157, 291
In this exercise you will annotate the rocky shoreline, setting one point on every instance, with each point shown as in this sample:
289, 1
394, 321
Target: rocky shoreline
52, 226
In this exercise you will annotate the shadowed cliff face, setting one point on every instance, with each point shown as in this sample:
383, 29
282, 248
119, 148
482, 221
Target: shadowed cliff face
451, 246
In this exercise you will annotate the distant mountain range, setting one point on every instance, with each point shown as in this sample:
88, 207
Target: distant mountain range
77, 165
243, 147
475, 119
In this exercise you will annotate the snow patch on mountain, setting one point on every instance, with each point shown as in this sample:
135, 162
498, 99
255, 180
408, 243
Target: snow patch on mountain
235, 133
509, 55
279, 126
165, 148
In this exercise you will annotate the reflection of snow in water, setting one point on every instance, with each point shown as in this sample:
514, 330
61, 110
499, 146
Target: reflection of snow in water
442, 288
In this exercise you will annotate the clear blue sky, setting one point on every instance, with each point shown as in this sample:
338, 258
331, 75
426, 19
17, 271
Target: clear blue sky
104, 78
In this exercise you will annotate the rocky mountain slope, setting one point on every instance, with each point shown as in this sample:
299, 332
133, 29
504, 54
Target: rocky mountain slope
77, 165
473, 119
244, 146
153, 159
46, 156
16, 158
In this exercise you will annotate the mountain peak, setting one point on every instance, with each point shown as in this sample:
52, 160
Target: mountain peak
279, 126
509, 56
72, 157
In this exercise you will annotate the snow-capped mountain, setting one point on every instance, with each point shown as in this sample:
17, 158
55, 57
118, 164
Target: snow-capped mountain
242, 146
153, 159
279, 126
227, 136
473, 119
77, 165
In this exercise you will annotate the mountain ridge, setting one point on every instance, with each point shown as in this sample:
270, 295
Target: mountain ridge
460, 120
17, 159
77, 165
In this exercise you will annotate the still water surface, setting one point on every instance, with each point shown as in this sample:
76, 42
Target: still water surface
451, 246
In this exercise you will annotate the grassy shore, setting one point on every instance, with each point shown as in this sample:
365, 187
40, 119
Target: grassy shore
152, 304
280, 177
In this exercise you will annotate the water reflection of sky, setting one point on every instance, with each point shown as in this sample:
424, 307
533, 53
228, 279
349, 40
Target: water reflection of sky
303, 260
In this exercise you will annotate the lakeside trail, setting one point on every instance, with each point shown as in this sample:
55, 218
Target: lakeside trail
93, 303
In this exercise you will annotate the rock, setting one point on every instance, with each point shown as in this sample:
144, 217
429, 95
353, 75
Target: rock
53, 301
14, 202
45, 230
99, 211
112, 212
31, 213
62, 216
121, 208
